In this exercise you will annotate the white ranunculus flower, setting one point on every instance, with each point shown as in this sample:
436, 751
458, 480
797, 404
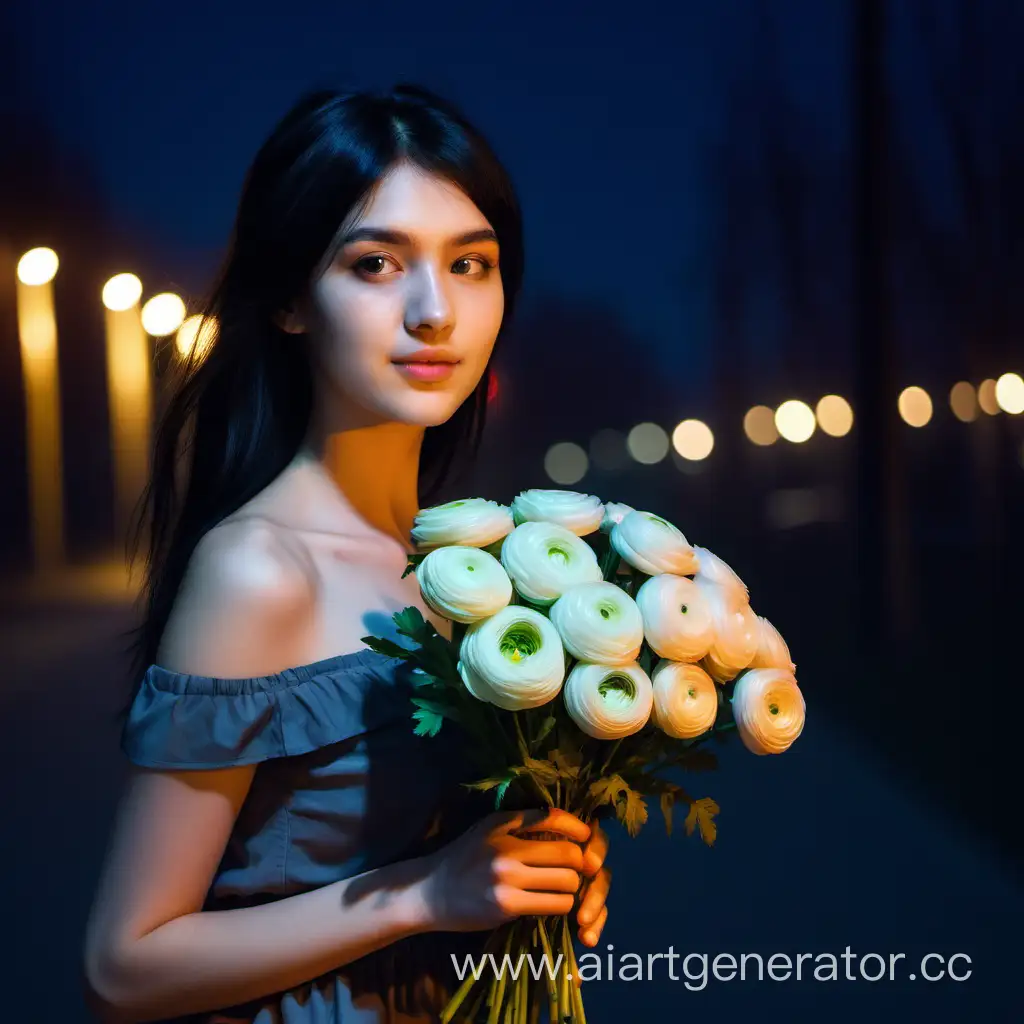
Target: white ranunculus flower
715, 570
736, 633
579, 513
463, 584
614, 513
608, 701
677, 617
653, 545
599, 622
472, 522
772, 650
685, 700
514, 659
544, 560
769, 710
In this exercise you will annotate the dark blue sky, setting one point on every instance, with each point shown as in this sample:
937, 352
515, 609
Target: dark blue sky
608, 125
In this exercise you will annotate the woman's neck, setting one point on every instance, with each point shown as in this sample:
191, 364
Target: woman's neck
375, 469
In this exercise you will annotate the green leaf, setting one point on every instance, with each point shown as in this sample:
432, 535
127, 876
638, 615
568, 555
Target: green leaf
387, 647
414, 563
543, 771
610, 564
633, 813
568, 763
607, 790
646, 659
499, 783
410, 623
546, 726
430, 714
702, 815
667, 801
669, 795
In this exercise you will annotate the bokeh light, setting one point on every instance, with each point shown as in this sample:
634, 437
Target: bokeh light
648, 443
38, 266
121, 292
835, 415
1010, 393
915, 405
566, 463
795, 421
693, 440
163, 314
188, 336
759, 425
608, 449
987, 397
963, 400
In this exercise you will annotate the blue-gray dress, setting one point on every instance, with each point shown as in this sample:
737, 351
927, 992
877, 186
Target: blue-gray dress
342, 786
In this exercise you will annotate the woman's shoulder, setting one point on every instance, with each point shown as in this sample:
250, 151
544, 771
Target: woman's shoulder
245, 604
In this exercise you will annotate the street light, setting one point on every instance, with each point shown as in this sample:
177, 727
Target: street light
37, 335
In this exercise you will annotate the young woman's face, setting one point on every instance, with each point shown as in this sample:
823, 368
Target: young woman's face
416, 277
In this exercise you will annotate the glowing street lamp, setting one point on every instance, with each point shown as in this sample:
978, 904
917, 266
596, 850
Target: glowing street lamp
37, 333
795, 421
163, 315
129, 391
759, 426
693, 440
1010, 393
915, 406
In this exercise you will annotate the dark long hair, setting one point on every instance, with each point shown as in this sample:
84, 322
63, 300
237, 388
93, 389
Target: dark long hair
239, 407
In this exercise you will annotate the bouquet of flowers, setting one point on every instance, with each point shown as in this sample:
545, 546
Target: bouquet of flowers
594, 652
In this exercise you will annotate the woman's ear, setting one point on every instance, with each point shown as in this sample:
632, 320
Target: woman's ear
290, 321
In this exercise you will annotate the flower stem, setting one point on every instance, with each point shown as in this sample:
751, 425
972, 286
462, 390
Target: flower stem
499, 991
552, 991
611, 754
578, 1016
525, 753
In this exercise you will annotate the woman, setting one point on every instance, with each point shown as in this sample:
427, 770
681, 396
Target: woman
287, 850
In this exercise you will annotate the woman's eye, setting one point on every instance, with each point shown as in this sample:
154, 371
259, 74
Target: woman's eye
464, 266
374, 266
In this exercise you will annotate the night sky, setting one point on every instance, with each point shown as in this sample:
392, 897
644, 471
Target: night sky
609, 126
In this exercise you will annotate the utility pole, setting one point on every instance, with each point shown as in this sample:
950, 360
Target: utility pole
885, 594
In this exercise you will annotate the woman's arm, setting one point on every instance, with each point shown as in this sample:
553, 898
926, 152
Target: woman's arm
246, 607
152, 953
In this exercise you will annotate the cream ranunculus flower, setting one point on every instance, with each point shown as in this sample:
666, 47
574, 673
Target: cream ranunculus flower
514, 659
685, 700
715, 570
772, 650
544, 560
599, 622
769, 710
608, 701
579, 513
677, 617
472, 522
736, 630
653, 545
614, 513
463, 584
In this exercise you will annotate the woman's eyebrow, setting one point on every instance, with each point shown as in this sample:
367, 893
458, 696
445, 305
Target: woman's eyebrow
389, 237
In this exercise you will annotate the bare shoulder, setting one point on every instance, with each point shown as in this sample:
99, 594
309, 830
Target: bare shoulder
245, 605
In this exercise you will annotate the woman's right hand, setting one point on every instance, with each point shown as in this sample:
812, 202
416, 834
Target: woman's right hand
488, 876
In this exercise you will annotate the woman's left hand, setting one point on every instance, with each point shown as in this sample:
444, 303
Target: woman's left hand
593, 912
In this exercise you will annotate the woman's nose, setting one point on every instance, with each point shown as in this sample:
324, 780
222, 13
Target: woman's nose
429, 309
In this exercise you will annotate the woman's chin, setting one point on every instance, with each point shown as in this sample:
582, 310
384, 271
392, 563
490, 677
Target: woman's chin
425, 409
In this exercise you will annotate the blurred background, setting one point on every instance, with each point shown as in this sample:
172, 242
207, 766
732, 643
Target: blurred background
775, 257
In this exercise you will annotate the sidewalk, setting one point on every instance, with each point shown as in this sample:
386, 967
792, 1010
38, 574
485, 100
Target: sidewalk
100, 582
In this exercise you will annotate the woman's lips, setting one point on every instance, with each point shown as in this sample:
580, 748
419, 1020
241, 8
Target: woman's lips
427, 371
